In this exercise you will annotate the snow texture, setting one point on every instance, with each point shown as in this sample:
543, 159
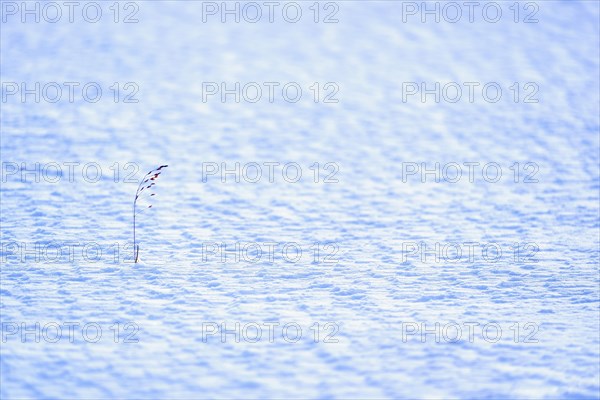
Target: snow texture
379, 287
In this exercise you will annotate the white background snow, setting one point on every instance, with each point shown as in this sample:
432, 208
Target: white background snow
373, 291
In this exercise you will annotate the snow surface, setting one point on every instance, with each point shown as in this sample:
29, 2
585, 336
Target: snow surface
371, 291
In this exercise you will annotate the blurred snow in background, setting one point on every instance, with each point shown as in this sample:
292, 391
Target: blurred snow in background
371, 216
